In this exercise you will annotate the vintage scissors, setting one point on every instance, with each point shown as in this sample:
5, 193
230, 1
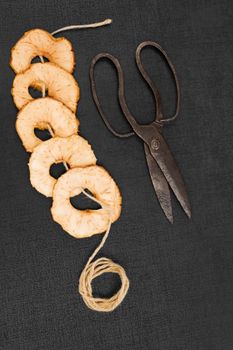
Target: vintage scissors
162, 166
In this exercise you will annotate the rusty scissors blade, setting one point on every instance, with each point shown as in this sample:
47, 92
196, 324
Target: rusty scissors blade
160, 184
162, 155
163, 169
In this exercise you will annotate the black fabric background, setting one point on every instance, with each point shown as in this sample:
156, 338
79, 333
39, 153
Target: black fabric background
180, 296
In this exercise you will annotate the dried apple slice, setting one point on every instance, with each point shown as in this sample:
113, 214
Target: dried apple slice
85, 223
38, 42
59, 84
74, 150
44, 113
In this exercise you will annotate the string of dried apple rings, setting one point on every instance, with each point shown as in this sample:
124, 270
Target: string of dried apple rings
81, 169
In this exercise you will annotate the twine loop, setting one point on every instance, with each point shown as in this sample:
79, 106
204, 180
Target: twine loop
97, 268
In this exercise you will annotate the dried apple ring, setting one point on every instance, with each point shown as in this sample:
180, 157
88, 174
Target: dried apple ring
74, 150
38, 42
85, 223
59, 84
40, 114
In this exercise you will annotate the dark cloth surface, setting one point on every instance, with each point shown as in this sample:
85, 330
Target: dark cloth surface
181, 280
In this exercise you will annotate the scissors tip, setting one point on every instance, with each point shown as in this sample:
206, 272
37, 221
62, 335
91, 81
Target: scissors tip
170, 218
188, 213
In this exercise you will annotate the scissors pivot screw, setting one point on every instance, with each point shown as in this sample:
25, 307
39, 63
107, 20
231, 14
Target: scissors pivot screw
155, 144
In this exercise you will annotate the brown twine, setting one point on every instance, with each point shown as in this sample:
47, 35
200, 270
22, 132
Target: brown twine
94, 269
83, 26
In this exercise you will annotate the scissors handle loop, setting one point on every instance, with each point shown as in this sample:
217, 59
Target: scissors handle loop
121, 96
152, 85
